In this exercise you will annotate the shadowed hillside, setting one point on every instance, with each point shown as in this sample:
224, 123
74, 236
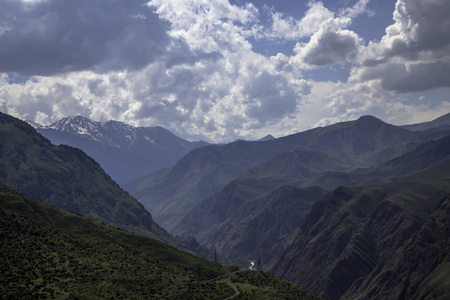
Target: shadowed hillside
68, 178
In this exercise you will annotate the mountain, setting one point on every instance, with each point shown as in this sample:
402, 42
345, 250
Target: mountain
172, 193
439, 123
205, 221
236, 219
47, 252
268, 137
241, 228
421, 157
355, 243
66, 177
124, 152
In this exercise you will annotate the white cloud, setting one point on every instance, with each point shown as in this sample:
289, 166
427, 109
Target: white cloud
358, 9
188, 65
286, 27
414, 55
330, 42
330, 45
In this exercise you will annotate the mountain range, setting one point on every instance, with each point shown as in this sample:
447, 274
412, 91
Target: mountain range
170, 194
125, 152
257, 199
354, 210
62, 245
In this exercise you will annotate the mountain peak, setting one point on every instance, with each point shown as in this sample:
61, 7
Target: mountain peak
268, 137
369, 118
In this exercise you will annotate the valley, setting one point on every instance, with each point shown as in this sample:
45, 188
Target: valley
342, 210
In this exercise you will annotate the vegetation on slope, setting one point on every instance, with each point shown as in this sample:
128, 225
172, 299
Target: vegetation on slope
47, 252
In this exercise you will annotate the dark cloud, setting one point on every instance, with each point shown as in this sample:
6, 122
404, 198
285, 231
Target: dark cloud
57, 36
415, 77
420, 25
270, 97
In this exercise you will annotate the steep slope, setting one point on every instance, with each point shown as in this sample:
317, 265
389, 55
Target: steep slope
68, 178
47, 252
124, 152
259, 224
172, 193
421, 269
351, 238
254, 183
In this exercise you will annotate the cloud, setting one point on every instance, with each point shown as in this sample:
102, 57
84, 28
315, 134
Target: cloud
330, 45
414, 55
286, 27
330, 42
358, 9
52, 36
207, 84
190, 66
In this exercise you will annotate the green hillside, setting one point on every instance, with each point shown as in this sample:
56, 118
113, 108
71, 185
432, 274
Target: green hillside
47, 252
68, 178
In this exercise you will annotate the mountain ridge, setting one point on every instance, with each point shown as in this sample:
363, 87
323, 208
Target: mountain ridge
172, 193
124, 151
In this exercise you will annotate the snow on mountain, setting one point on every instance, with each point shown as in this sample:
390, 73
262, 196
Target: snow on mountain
124, 151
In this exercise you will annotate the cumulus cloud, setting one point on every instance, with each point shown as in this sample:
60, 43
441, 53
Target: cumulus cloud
330, 42
208, 83
414, 54
52, 36
328, 46
286, 27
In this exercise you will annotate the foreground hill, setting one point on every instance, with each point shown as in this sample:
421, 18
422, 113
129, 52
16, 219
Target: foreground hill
372, 242
68, 178
47, 252
125, 152
172, 193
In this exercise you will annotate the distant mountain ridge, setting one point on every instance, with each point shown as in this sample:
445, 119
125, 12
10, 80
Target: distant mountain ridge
124, 151
170, 194
441, 122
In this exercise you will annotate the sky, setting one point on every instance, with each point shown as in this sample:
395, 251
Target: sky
219, 70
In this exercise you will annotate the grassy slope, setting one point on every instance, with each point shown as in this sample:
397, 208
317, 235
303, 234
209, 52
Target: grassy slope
47, 252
